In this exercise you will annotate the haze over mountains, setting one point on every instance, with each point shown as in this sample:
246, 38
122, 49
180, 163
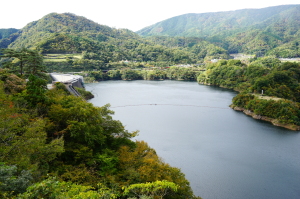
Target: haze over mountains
267, 31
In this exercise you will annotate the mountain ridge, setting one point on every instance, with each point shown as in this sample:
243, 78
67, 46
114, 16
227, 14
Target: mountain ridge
267, 31
183, 23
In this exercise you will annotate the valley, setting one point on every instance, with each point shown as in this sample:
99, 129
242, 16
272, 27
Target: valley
50, 139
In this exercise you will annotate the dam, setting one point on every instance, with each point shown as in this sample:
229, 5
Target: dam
69, 80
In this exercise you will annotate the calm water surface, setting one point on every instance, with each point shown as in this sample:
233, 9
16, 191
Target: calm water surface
223, 153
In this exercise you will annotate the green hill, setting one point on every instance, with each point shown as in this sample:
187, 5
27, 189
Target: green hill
74, 42
215, 23
255, 31
75, 32
4, 33
7, 36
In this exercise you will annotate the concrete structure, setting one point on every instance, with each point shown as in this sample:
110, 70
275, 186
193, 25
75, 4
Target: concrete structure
70, 81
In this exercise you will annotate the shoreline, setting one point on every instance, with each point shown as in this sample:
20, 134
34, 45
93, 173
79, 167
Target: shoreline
275, 122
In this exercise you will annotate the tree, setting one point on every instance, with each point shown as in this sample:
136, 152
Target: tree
24, 61
23, 138
151, 189
13, 182
35, 91
53, 189
141, 165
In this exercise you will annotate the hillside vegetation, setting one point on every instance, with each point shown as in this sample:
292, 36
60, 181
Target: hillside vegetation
100, 45
4, 33
265, 76
196, 38
266, 31
56, 145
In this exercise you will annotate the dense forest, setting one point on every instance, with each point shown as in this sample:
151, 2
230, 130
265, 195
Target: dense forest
5, 33
266, 31
261, 77
56, 145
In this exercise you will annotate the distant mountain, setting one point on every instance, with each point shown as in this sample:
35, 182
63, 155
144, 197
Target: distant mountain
82, 43
7, 36
72, 32
209, 24
256, 31
4, 33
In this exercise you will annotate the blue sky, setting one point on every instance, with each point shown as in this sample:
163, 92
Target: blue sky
130, 14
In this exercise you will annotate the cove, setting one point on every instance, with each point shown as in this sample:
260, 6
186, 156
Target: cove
223, 153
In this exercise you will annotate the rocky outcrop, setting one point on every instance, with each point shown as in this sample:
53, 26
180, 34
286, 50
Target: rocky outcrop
275, 122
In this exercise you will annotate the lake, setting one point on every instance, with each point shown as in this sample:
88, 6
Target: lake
223, 153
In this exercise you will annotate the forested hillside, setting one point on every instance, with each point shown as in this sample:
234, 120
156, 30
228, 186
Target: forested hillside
56, 145
256, 31
262, 77
7, 36
4, 33
94, 46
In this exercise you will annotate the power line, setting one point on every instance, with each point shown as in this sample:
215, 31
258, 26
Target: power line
169, 105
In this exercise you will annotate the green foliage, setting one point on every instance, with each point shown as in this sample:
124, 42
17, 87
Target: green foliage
103, 47
35, 91
50, 131
151, 189
24, 62
241, 100
227, 74
268, 62
285, 111
53, 189
4, 33
99, 75
13, 182
12, 84
209, 51
114, 74
287, 50
271, 30
267, 74
142, 165
154, 74
182, 73
129, 74
85, 94
173, 73
24, 139
220, 23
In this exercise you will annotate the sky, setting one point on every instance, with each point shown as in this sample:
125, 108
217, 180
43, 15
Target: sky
131, 14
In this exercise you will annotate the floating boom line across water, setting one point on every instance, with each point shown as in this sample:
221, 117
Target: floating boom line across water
169, 105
